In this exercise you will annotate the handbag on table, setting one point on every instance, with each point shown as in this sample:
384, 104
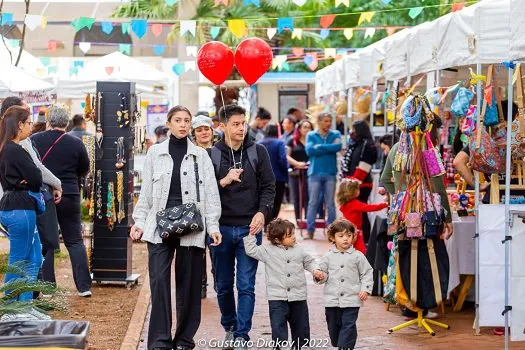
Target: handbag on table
181, 220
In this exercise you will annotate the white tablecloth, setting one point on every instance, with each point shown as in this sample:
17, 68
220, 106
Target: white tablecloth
461, 250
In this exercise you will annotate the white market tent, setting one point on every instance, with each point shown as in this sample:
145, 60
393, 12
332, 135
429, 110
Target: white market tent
517, 30
14, 79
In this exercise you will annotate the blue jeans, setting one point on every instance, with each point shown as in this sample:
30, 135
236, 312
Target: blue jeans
232, 247
24, 244
318, 185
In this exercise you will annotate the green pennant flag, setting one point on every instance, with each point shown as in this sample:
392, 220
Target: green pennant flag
125, 49
51, 69
73, 71
414, 12
45, 61
126, 27
83, 22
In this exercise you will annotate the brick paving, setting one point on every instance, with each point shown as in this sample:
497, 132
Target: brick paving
372, 324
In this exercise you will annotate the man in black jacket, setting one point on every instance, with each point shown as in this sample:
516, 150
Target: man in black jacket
247, 189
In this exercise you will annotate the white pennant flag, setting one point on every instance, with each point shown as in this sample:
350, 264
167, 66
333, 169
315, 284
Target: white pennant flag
369, 32
297, 33
349, 33
33, 21
189, 65
84, 46
344, 2
188, 27
299, 2
271, 32
191, 51
278, 61
329, 53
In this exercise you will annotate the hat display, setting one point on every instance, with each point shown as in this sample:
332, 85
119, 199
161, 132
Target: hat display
201, 120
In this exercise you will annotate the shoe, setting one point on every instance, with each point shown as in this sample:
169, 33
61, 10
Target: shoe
431, 315
228, 339
309, 235
85, 294
240, 344
182, 347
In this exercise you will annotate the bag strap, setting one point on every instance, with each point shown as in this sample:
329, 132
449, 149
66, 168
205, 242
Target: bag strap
435, 272
52, 146
413, 270
519, 101
484, 107
196, 168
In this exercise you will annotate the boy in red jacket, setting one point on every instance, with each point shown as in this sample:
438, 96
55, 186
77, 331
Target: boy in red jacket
353, 209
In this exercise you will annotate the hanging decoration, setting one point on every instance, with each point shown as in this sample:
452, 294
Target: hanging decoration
156, 29
299, 2
7, 19
83, 22
170, 2
365, 17
126, 28
219, 2
414, 12
215, 61
311, 60
324, 33
214, 32
120, 196
178, 68
343, 2
159, 49
110, 205
298, 51
237, 27
139, 27
188, 27
297, 33
253, 58
33, 21
327, 20
121, 156
98, 186
285, 23
83, 46
106, 27
125, 49
123, 113
271, 32
256, 3
349, 33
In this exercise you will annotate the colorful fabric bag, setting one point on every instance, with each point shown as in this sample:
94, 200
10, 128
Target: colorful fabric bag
518, 125
413, 225
432, 159
485, 154
461, 102
411, 111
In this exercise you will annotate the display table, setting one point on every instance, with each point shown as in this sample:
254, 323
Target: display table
461, 251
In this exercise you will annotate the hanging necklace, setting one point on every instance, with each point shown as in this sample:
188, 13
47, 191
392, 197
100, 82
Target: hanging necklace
98, 185
121, 160
99, 135
120, 196
110, 212
89, 141
123, 113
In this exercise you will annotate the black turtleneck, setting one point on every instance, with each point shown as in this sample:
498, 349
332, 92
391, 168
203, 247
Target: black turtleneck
178, 149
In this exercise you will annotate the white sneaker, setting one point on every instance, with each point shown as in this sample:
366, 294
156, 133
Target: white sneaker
85, 294
432, 315
240, 344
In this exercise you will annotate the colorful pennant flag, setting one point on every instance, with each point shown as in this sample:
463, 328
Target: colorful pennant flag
74, 71
414, 12
139, 27
191, 51
159, 49
237, 27
7, 19
78, 63
458, 6
278, 61
214, 32
51, 46
190, 65
188, 27
14, 43
297, 33
46, 61
178, 68
299, 2
218, 2
311, 60
170, 2
257, 3
327, 20
365, 17
271, 32
330, 52
126, 27
390, 31
107, 27
369, 32
286, 66
284, 23
156, 29
84, 46
33, 21
83, 22
51, 69
125, 49
349, 33
344, 2
324, 33
298, 51
43, 22
386, 2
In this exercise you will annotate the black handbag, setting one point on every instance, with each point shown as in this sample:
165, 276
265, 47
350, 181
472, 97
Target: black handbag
183, 219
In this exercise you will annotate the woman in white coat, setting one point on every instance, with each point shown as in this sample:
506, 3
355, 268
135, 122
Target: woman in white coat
169, 180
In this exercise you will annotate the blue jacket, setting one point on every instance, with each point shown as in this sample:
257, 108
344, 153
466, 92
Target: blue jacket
323, 152
277, 151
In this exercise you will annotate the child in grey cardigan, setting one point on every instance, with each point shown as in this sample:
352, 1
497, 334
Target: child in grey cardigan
285, 262
348, 279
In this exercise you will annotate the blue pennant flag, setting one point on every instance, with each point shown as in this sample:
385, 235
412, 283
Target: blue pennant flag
284, 23
214, 32
7, 19
159, 49
139, 27
107, 27
248, 2
178, 68
78, 63
324, 33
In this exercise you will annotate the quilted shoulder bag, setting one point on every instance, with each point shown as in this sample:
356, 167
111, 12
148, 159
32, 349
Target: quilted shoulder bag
183, 219
412, 111
432, 158
461, 102
413, 225
518, 125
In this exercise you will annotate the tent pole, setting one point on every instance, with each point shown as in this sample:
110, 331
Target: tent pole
350, 103
476, 179
507, 203
373, 105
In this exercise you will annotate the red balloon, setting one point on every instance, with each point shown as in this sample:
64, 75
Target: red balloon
215, 61
253, 58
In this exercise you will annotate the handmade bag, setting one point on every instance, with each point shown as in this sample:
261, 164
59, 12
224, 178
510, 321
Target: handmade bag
412, 111
485, 154
461, 102
490, 101
183, 219
394, 213
468, 126
413, 225
518, 125
432, 158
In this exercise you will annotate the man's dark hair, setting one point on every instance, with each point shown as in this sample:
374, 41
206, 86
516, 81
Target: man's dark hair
262, 113
10, 101
505, 107
43, 113
279, 229
161, 130
77, 120
387, 140
292, 111
271, 131
227, 111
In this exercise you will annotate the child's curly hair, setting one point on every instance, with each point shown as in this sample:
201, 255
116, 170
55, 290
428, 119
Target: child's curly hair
340, 225
278, 229
348, 189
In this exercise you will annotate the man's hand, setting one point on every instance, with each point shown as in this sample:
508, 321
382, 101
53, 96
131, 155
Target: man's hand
381, 191
217, 239
233, 175
135, 233
257, 223
448, 231
318, 275
57, 194
363, 296
302, 165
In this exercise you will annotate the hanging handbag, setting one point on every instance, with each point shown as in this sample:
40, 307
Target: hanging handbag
518, 125
183, 219
461, 102
413, 225
491, 101
432, 158
412, 111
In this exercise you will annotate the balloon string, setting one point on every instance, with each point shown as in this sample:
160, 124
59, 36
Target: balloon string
229, 136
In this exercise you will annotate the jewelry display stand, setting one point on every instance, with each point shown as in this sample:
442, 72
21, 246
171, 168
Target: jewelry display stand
112, 247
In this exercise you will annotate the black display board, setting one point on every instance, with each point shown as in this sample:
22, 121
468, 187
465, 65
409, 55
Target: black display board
112, 249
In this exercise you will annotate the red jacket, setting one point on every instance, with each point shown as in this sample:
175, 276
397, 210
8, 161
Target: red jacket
353, 212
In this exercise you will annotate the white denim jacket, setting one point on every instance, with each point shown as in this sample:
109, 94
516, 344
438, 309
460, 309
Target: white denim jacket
348, 274
156, 181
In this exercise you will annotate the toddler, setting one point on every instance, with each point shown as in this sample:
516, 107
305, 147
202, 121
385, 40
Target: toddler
353, 209
348, 279
285, 262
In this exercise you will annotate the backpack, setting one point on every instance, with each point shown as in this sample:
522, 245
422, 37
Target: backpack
253, 158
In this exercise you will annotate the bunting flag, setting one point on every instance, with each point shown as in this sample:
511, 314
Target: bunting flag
214, 32
7, 19
278, 61
297, 33
51, 69
84, 46
188, 27
107, 27
191, 51
365, 17
170, 2
51, 46
218, 2
390, 31
330, 52
156, 29
349, 33
33, 21
190, 65
14, 43
284, 23
271, 32
386, 2
286, 66
109, 70
74, 71
178, 68
414, 12
46, 61
125, 49
237, 27
324, 33
159, 49
344, 2
43, 22
311, 60
369, 32
139, 27
126, 27
458, 6
298, 51
327, 20
299, 2
78, 64
257, 3
83, 22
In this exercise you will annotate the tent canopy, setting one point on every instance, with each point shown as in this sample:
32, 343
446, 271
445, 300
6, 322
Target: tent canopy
14, 79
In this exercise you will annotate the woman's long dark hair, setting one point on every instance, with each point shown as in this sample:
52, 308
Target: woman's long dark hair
297, 132
9, 124
362, 131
